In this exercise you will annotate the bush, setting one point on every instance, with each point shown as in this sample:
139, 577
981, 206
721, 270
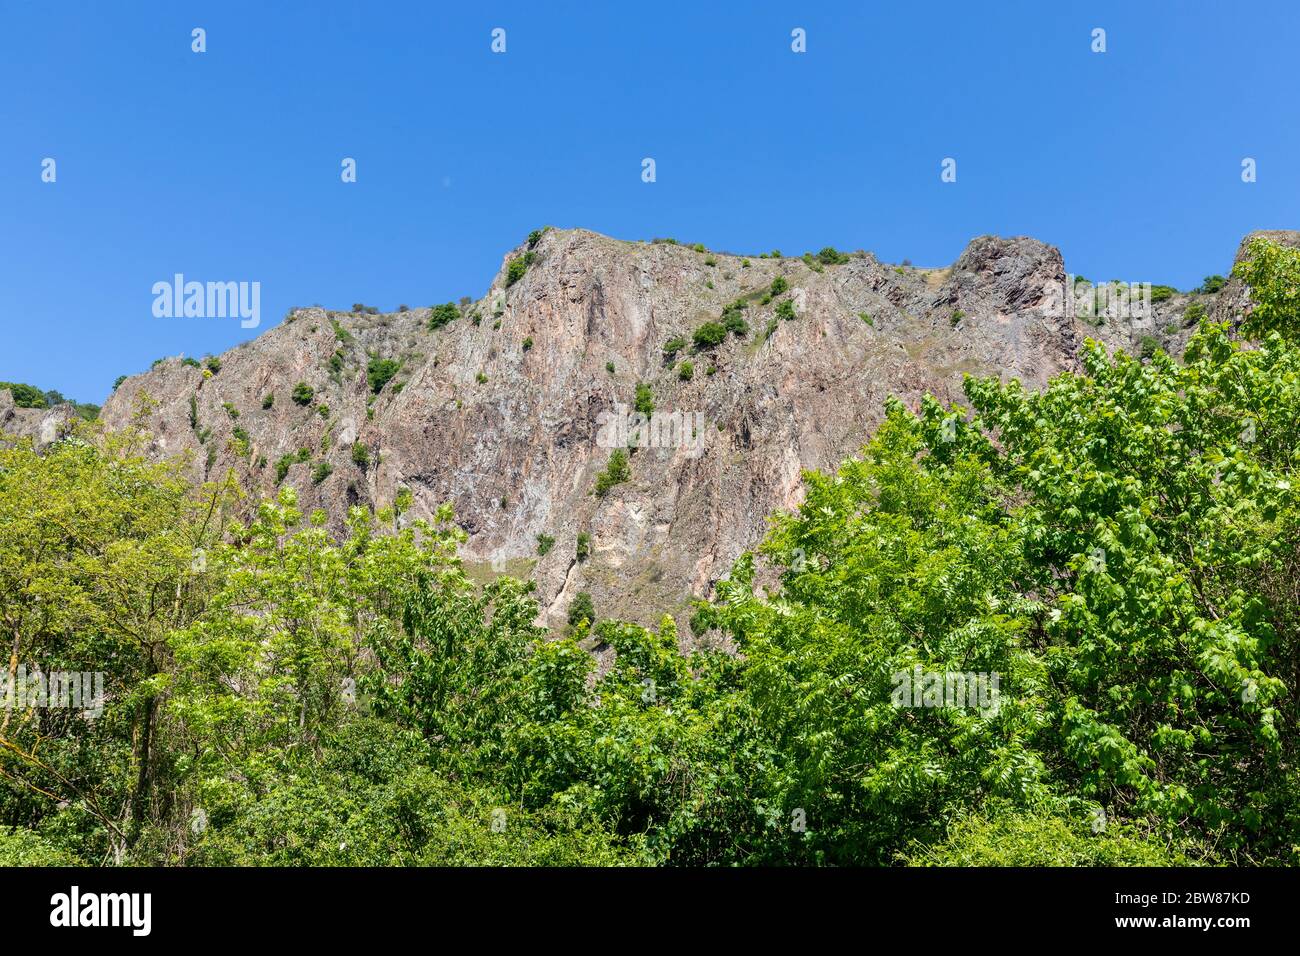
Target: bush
673, 346
1193, 314
686, 372
830, 256
583, 548
581, 609
544, 544
440, 315
609, 367
303, 393
709, 334
785, 309
528, 343
616, 472
380, 371
779, 285
360, 455
645, 400
286, 462
1161, 293
957, 316
735, 323
1042, 840
268, 400
21, 847
1212, 284
518, 266
321, 472
212, 364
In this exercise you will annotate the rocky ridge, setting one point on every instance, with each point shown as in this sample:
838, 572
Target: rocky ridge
504, 411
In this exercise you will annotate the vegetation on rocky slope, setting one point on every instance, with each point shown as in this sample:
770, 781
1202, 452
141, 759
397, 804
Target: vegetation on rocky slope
1119, 550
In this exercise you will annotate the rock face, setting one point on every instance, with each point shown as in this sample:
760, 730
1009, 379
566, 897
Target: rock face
505, 411
42, 425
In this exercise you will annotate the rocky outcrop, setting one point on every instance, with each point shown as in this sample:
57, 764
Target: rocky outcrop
505, 411
42, 425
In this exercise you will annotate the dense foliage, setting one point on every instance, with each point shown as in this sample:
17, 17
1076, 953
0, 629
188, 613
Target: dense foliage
1119, 550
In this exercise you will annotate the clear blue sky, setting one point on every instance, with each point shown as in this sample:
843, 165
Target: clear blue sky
225, 165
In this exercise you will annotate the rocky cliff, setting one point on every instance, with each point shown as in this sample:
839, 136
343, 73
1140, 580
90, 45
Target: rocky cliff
505, 411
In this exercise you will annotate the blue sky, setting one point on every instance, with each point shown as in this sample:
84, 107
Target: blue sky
225, 165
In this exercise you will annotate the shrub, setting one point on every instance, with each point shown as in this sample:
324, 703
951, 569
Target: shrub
779, 285
1193, 314
1161, 293
440, 315
544, 544
645, 400
268, 400
581, 609
518, 266
830, 256
528, 343
957, 316
1034, 839
360, 455
1212, 284
481, 377
609, 367
380, 371
1147, 346
686, 372
303, 393
321, 472
785, 309
866, 318
342, 334
190, 362
616, 472
212, 364
709, 335
282, 467
583, 548
118, 381
673, 346
735, 323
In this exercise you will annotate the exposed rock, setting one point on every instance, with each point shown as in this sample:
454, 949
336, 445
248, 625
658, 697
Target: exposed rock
509, 434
